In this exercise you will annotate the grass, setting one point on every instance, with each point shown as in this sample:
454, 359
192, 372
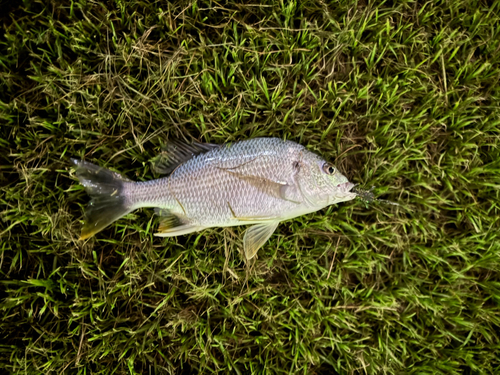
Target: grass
404, 96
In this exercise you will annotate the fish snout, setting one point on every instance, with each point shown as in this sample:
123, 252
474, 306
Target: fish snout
345, 187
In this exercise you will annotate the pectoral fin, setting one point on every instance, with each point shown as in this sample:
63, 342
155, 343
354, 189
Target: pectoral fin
256, 236
275, 189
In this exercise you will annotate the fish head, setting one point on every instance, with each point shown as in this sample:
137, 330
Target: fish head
321, 182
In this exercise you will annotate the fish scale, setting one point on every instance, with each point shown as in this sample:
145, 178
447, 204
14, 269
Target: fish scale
207, 182
261, 181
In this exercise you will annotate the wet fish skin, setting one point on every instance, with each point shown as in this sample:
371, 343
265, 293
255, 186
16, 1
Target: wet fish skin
260, 181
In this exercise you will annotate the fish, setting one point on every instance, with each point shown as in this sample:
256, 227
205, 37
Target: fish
258, 182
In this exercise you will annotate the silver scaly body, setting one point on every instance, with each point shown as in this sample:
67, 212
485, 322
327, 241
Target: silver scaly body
260, 181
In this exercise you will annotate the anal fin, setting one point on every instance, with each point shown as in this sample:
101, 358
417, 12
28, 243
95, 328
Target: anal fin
172, 225
178, 231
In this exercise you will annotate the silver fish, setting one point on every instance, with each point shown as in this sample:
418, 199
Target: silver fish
260, 181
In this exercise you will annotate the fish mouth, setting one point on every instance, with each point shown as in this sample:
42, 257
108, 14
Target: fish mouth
345, 187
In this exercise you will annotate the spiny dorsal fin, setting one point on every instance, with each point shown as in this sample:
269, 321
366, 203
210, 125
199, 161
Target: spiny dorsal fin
176, 152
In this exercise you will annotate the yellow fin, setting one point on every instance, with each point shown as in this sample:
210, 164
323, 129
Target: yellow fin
173, 225
108, 202
168, 222
178, 231
256, 236
254, 219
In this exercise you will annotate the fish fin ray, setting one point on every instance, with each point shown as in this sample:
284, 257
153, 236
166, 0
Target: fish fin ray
178, 230
168, 220
273, 188
256, 218
173, 224
256, 236
176, 152
105, 188
167, 223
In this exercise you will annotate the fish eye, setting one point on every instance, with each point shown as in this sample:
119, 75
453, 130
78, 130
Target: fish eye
329, 169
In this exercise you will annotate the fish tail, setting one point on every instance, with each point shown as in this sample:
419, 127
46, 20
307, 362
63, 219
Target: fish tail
108, 203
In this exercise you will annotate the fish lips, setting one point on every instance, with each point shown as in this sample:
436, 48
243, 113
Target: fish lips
345, 187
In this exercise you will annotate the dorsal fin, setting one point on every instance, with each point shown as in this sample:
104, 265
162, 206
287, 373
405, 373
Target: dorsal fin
176, 152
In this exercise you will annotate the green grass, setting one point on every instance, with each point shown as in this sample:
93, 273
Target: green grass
403, 95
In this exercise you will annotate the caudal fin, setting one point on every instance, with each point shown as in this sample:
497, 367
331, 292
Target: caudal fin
108, 202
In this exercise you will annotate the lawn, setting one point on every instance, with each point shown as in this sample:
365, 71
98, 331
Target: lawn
400, 95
